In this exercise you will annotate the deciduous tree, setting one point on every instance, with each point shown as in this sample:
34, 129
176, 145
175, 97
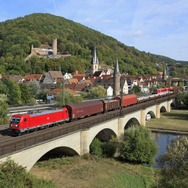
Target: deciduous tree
174, 164
138, 146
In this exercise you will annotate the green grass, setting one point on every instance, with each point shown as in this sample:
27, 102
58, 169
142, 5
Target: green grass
94, 172
176, 120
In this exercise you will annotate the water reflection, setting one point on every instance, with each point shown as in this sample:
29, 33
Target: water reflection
162, 139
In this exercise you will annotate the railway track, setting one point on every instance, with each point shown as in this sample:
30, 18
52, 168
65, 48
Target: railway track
9, 144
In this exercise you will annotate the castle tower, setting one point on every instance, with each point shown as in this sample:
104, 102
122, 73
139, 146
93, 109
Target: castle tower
94, 62
117, 77
54, 46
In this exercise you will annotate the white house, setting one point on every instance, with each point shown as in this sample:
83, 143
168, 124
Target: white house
51, 95
109, 92
67, 76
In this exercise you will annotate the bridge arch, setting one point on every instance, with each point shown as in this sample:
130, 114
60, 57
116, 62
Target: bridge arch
105, 135
163, 109
152, 111
131, 123
103, 132
58, 152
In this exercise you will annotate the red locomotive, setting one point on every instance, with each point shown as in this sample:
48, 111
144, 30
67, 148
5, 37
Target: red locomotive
32, 121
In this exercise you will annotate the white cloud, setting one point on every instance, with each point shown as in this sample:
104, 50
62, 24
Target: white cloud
138, 34
110, 21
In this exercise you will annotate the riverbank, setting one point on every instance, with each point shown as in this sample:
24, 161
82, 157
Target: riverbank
174, 122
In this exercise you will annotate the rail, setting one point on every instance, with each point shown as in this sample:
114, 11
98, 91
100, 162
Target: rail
19, 143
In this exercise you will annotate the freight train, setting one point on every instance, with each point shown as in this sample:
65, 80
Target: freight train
25, 123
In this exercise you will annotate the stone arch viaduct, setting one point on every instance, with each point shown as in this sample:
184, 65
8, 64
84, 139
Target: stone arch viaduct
78, 142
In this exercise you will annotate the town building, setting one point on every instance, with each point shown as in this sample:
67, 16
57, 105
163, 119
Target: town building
52, 77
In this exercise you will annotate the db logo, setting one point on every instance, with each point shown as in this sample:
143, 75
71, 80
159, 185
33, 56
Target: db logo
48, 118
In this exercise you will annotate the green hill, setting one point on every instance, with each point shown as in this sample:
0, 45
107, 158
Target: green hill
16, 37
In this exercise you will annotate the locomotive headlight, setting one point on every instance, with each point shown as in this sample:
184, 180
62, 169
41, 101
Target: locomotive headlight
17, 125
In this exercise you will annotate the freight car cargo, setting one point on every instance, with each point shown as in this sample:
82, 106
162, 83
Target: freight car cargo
111, 104
84, 109
127, 100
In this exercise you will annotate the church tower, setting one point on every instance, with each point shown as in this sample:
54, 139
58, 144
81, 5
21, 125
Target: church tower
54, 46
94, 62
164, 74
117, 77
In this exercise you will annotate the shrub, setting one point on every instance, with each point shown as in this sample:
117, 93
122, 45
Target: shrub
12, 175
138, 146
108, 149
174, 164
96, 148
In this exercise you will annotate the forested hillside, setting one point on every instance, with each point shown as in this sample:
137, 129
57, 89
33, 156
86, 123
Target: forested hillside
16, 37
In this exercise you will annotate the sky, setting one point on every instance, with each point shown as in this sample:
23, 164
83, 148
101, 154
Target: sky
156, 26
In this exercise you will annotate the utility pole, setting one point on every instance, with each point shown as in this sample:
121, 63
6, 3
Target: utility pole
63, 92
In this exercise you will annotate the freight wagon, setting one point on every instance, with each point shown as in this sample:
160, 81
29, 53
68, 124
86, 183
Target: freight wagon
126, 100
84, 109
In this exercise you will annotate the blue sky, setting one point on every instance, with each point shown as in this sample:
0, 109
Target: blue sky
155, 26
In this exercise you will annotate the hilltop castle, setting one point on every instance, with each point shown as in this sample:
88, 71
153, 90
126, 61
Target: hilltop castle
46, 51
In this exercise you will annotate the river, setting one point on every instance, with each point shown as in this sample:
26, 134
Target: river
162, 140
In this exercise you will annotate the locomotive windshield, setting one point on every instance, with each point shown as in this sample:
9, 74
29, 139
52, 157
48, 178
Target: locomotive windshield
15, 120
155, 90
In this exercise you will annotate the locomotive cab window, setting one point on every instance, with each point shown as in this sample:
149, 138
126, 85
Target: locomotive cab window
13, 119
25, 120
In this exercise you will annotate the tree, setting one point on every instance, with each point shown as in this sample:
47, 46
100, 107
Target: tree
174, 164
42, 94
138, 146
185, 98
182, 99
97, 92
136, 89
69, 98
96, 148
33, 88
3, 88
13, 91
3, 109
25, 94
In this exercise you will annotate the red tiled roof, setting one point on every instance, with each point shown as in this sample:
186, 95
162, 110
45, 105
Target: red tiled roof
31, 77
55, 91
73, 81
56, 75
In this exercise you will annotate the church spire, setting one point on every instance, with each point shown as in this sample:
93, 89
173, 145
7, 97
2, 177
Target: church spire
116, 67
117, 77
95, 59
164, 73
94, 62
